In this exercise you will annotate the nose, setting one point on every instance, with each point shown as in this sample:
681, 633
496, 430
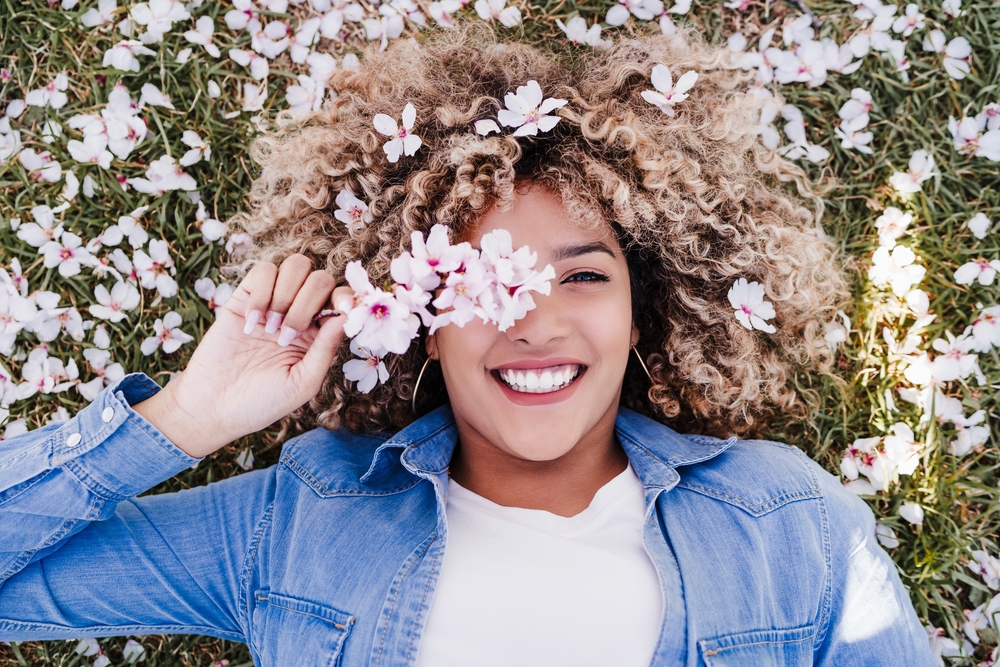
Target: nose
546, 323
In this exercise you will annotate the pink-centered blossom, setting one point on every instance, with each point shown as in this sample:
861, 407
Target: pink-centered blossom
752, 310
527, 110
667, 94
167, 334
980, 270
403, 141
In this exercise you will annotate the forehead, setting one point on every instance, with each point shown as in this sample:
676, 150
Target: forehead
542, 220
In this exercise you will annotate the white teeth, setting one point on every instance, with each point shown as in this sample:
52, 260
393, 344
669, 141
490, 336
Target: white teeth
540, 380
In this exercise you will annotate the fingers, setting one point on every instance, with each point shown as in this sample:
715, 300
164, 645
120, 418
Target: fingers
260, 284
311, 297
291, 276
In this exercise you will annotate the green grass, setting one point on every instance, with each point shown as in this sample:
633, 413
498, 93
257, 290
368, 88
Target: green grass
960, 495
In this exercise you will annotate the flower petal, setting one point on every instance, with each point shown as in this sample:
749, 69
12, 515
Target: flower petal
385, 125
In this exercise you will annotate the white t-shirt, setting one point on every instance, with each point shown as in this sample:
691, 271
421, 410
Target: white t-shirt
523, 587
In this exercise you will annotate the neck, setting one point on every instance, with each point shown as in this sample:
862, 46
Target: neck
564, 486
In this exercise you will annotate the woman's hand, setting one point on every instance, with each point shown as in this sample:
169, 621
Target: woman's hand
262, 358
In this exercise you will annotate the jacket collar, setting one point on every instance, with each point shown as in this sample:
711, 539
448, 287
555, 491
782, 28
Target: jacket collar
654, 449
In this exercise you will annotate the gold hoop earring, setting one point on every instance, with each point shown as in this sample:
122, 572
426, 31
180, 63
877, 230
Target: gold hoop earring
642, 363
417, 385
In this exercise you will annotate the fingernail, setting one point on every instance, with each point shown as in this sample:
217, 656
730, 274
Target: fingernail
273, 321
287, 335
252, 318
344, 305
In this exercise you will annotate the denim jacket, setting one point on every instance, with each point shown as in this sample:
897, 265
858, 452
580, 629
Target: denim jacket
330, 557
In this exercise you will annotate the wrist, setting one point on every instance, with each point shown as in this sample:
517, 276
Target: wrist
182, 426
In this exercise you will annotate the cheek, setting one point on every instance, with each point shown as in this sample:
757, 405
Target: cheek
462, 351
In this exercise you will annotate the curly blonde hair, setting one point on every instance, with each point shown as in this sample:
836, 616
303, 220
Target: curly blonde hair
695, 200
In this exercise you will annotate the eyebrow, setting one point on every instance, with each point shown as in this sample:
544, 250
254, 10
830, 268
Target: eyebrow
568, 252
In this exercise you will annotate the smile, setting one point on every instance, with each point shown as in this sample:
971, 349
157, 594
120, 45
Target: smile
539, 380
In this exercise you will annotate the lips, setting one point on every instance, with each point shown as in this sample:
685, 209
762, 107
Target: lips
539, 380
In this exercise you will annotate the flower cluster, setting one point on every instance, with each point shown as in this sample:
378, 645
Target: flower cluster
458, 281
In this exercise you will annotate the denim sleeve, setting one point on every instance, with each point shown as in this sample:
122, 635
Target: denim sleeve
867, 616
81, 556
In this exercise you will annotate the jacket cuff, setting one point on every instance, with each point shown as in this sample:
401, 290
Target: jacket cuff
113, 449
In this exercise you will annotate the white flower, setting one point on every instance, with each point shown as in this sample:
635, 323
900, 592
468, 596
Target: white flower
886, 536
305, 97
92, 150
956, 52
123, 55
891, 225
921, 168
901, 449
366, 371
377, 321
114, 305
912, 512
494, 9
67, 253
202, 34
977, 270
752, 310
645, 10
851, 136
198, 149
403, 141
970, 138
895, 269
155, 269
987, 567
667, 94
245, 459
951, 8
42, 230
986, 329
216, 295
384, 28
254, 96
578, 32
51, 95
162, 175
526, 110
912, 20
979, 225
239, 18
168, 334
211, 229
941, 644
799, 145
150, 94
352, 211
259, 65
158, 16
214, 91
859, 105
954, 361
42, 165
183, 55
103, 14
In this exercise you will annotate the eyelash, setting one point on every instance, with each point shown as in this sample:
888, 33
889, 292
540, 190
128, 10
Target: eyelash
595, 277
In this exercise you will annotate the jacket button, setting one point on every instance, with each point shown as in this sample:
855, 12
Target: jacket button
74, 440
108, 413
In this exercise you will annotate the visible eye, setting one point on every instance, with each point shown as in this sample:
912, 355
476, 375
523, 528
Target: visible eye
586, 277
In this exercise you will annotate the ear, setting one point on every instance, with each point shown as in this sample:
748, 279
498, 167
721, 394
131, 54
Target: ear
430, 346
634, 338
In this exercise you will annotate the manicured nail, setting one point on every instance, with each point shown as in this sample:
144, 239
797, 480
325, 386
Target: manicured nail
287, 335
273, 321
252, 318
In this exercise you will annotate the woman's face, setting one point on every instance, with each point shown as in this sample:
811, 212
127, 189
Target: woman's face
505, 386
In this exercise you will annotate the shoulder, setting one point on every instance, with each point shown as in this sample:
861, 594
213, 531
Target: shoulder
332, 462
759, 476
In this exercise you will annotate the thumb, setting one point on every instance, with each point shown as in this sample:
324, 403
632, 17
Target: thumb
318, 358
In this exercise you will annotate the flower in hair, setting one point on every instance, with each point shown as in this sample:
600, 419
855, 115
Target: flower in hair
403, 142
494, 284
526, 110
352, 211
751, 308
667, 94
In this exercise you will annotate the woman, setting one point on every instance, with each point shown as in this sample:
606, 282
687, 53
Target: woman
497, 495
